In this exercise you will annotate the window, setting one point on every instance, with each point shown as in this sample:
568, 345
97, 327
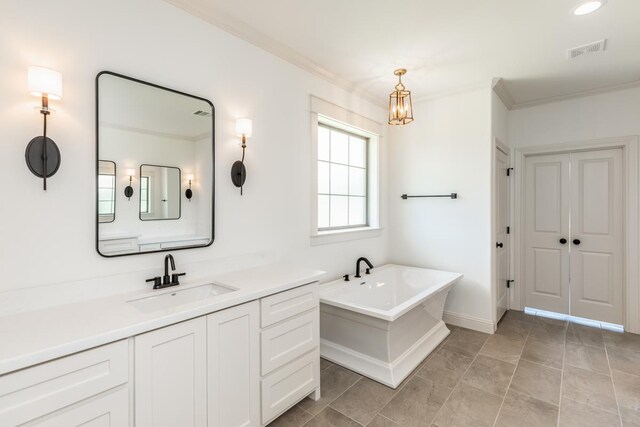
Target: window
345, 168
144, 194
106, 195
342, 179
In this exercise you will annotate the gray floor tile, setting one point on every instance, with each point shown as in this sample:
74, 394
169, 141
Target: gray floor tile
469, 406
324, 364
364, 400
576, 414
490, 375
545, 351
519, 315
586, 357
380, 421
503, 347
624, 340
334, 381
522, 410
294, 417
329, 417
630, 418
549, 330
514, 329
627, 389
445, 367
417, 403
538, 381
589, 388
624, 360
585, 335
466, 342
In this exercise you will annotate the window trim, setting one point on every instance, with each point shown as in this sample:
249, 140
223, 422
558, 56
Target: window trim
334, 116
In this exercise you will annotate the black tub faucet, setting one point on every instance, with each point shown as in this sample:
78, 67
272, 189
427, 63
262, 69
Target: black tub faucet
358, 265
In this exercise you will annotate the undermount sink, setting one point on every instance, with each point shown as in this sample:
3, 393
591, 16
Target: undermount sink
178, 297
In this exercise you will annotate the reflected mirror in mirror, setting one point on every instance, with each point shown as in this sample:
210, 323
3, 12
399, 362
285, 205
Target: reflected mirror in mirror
158, 138
106, 191
159, 193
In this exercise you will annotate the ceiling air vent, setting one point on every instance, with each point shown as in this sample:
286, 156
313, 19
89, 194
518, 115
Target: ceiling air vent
202, 113
594, 47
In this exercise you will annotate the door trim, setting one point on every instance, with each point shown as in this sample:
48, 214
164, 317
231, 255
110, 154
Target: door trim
631, 162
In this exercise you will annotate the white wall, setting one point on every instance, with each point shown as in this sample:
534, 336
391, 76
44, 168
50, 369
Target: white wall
49, 237
447, 149
581, 119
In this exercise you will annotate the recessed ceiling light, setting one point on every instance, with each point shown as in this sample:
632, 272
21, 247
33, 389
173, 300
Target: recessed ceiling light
588, 7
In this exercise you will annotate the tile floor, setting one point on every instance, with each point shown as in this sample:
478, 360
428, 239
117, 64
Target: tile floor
532, 372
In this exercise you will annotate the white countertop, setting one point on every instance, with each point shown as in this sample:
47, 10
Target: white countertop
38, 336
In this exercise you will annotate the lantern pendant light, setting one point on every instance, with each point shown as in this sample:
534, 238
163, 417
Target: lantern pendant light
400, 107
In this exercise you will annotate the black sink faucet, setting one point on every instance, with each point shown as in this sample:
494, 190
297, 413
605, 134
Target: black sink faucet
358, 265
166, 280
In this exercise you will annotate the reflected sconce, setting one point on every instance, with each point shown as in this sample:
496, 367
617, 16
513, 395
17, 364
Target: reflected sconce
189, 193
244, 128
42, 154
400, 107
128, 190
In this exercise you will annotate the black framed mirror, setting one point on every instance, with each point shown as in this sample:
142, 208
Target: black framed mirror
163, 143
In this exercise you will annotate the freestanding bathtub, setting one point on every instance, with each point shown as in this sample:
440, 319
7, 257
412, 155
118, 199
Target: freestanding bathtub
384, 324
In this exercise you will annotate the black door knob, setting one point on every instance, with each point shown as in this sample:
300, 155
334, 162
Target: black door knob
576, 241
563, 241
499, 245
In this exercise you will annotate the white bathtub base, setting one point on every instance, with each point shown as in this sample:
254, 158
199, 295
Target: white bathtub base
390, 374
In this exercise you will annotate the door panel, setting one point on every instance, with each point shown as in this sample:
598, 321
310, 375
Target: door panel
596, 221
547, 208
502, 222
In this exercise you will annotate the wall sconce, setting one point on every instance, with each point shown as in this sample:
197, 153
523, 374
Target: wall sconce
244, 127
42, 154
128, 190
189, 194
400, 107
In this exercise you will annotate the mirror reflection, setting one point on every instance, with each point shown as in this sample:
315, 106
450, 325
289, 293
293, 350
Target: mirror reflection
154, 143
159, 192
106, 191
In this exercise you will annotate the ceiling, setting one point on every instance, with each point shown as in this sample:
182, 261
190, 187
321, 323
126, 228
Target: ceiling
448, 46
129, 105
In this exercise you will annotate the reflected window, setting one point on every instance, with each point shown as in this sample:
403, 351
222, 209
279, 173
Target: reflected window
106, 191
144, 194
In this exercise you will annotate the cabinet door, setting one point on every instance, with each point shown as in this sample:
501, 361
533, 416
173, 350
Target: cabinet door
108, 410
234, 362
170, 376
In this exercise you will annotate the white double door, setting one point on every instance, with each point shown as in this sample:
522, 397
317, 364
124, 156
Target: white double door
574, 234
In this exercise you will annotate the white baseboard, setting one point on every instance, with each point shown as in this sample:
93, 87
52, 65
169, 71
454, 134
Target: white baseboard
469, 322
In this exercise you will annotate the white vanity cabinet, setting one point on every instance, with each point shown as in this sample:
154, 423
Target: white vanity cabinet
289, 342
171, 376
234, 366
87, 388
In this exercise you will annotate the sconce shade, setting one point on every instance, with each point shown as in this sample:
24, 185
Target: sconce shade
400, 106
244, 127
131, 172
189, 177
44, 81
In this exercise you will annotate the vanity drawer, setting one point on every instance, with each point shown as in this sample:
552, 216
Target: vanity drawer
288, 385
286, 341
42, 389
278, 307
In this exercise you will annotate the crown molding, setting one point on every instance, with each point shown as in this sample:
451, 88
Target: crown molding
574, 95
503, 93
242, 31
